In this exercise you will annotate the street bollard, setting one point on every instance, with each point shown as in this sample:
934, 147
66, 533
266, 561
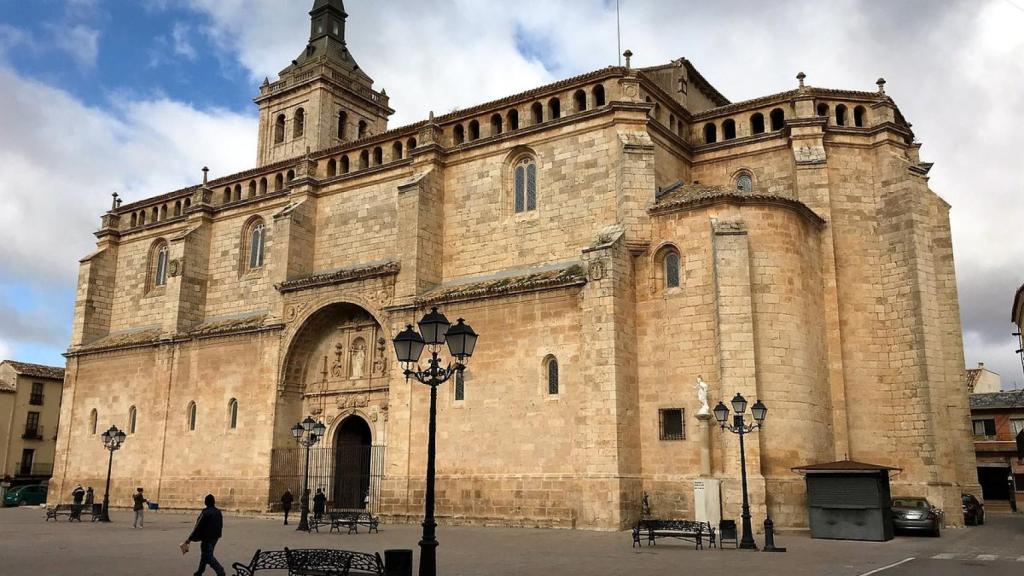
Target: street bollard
769, 537
398, 562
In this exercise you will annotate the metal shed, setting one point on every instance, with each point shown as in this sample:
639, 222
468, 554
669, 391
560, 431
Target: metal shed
849, 500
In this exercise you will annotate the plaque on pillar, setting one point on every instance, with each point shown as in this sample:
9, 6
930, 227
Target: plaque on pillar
707, 500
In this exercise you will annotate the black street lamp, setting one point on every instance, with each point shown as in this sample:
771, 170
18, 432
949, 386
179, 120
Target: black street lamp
461, 339
307, 433
738, 426
113, 439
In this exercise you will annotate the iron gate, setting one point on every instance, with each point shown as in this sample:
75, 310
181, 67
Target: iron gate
349, 474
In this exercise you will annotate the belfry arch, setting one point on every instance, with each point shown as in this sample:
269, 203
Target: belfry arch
335, 369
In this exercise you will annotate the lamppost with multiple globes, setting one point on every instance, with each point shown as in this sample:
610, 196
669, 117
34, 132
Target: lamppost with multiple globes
435, 331
738, 426
307, 433
113, 439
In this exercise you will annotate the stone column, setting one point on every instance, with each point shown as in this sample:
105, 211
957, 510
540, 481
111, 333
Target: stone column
704, 437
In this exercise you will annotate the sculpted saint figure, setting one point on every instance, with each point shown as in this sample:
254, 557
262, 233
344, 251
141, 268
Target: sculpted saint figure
702, 396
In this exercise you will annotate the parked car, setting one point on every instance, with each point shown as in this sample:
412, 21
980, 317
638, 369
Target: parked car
916, 514
31, 495
974, 511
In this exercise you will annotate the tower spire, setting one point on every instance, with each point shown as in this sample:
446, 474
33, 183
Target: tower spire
327, 19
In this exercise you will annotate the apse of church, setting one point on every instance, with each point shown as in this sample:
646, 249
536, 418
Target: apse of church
614, 238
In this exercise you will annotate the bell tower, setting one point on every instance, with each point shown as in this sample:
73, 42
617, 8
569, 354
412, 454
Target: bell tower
323, 98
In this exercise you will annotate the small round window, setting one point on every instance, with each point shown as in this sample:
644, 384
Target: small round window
744, 183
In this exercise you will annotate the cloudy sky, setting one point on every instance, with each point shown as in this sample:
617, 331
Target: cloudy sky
135, 96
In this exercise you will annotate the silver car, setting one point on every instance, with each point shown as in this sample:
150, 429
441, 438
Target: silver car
916, 514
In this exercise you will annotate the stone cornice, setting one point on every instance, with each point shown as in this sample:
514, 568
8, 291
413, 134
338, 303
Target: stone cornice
573, 275
340, 276
687, 204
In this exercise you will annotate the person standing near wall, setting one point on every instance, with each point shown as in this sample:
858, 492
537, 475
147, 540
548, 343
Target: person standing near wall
286, 504
139, 507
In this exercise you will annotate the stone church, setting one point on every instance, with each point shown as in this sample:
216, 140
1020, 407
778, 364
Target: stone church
613, 237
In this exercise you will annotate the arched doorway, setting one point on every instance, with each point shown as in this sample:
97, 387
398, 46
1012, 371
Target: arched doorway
353, 457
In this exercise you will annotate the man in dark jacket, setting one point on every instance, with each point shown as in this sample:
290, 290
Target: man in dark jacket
207, 532
286, 504
76, 497
319, 505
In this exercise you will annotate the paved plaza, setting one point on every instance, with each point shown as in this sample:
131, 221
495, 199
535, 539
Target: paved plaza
31, 547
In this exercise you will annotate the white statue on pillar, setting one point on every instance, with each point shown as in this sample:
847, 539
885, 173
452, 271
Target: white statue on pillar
702, 397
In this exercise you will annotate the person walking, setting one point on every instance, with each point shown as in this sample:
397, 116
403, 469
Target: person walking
208, 530
90, 500
319, 505
139, 506
286, 504
76, 497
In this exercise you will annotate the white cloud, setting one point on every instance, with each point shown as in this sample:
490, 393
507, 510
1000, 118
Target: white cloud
67, 159
5, 350
80, 42
181, 37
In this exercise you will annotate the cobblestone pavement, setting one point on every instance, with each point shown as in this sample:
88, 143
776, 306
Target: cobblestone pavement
31, 547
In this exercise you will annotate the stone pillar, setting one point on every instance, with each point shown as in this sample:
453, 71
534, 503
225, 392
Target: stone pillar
607, 449
737, 361
420, 234
189, 256
704, 438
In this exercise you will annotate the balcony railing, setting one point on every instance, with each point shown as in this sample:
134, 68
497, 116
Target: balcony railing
33, 433
44, 469
36, 399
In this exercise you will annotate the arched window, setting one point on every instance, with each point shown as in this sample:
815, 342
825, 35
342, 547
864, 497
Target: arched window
279, 182
342, 122
190, 416
364, 159
554, 109
537, 112
227, 194
672, 122
344, 165
474, 130
300, 122
142, 218
410, 144
551, 370
291, 175
841, 115
497, 124
378, 156
132, 416
460, 386
599, 95
135, 219
177, 208
672, 270
729, 129
657, 111
238, 192
163, 212
233, 414
255, 239
525, 184
710, 133
155, 215
332, 168
252, 189
458, 134
279, 129
823, 110
93, 419
188, 204
362, 128
778, 118
580, 100
158, 263
513, 119
263, 186
858, 116
744, 182
757, 123
396, 151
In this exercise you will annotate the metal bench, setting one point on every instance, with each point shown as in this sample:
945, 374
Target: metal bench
353, 519
262, 560
55, 512
329, 562
687, 530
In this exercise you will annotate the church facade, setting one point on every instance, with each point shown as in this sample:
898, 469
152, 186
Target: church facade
614, 238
